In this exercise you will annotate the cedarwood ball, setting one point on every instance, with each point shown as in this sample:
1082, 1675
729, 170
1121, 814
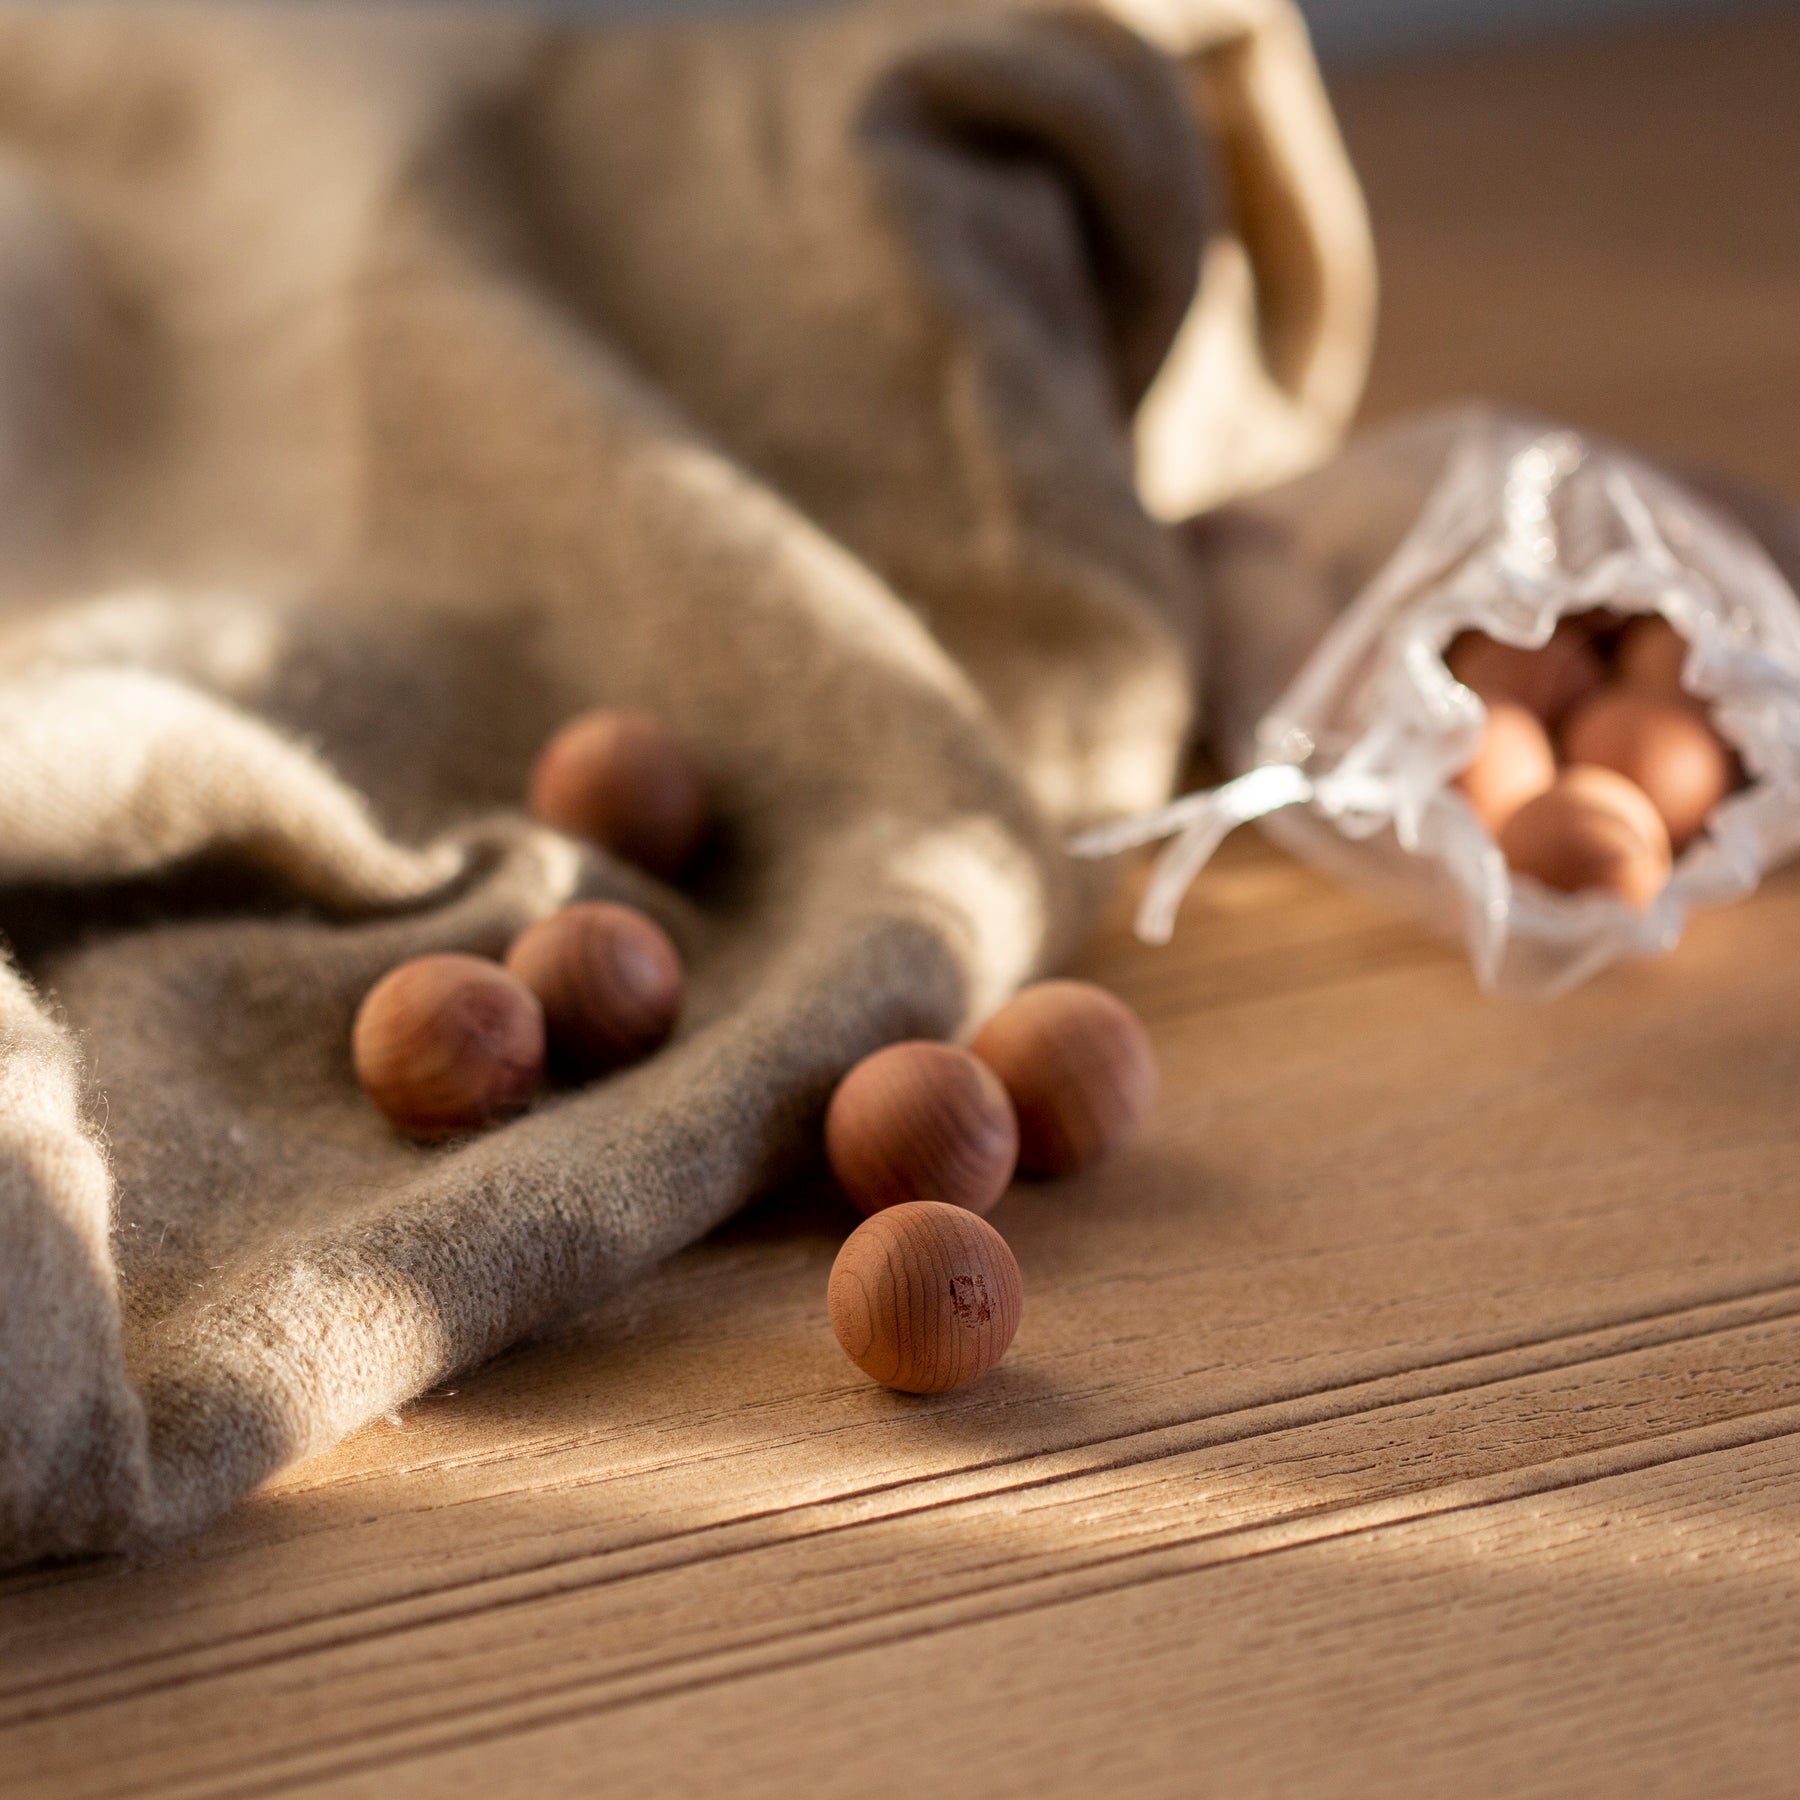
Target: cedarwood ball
446, 1044
1548, 681
1652, 654
1078, 1065
1591, 829
921, 1121
924, 1297
1514, 764
623, 780
609, 981
1665, 747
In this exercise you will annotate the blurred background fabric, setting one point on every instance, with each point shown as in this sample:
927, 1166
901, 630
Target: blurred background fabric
1345, 32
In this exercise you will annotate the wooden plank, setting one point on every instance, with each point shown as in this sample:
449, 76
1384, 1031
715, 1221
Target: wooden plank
1623, 1155
1615, 1635
601, 1631
1602, 229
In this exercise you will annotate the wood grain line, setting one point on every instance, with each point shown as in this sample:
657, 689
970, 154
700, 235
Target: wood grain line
590, 1570
1107, 1574
1187, 990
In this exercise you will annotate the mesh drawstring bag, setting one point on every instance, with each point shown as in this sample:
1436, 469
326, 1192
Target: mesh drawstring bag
1514, 524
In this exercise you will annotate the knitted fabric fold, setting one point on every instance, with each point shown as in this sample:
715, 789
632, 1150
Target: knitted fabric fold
379, 390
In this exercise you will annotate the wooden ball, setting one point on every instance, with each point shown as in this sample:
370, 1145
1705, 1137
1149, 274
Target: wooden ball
446, 1044
1652, 654
623, 780
1547, 682
1666, 748
1591, 829
1078, 1065
924, 1297
609, 981
1514, 764
921, 1121
1600, 625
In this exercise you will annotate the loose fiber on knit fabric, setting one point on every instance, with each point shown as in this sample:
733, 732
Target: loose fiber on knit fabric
376, 391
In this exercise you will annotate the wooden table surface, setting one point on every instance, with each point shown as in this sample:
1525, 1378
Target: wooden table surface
1415, 1411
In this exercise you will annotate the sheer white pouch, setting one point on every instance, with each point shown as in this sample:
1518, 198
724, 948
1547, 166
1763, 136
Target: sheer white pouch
1334, 599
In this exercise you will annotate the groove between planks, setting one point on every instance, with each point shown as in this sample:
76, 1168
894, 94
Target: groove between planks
1111, 1574
596, 1569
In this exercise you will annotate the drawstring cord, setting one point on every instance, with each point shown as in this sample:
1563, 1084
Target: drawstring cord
1200, 823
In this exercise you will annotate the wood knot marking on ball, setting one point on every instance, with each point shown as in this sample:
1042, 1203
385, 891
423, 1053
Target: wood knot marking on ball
969, 1300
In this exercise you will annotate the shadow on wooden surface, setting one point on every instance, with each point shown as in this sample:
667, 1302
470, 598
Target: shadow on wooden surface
1417, 1410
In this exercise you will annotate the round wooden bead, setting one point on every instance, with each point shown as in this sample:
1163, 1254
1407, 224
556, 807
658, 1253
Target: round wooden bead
1514, 764
623, 780
1652, 654
1591, 829
1665, 747
1078, 1065
921, 1121
924, 1297
1547, 682
446, 1044
1600, 625
609, 981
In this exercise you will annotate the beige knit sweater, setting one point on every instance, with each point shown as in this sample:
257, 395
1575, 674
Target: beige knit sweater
376, 391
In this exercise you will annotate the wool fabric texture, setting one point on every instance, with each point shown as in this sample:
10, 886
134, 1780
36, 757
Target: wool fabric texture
377, 391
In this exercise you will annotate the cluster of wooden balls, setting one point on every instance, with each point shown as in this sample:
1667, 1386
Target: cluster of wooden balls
922, 1137
448, 1044
925, 1137
1597, 766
